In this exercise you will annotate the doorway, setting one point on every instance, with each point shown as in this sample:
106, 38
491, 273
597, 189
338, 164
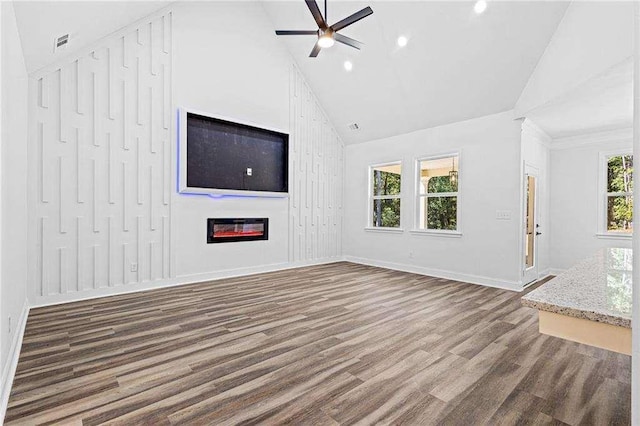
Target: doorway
531, 226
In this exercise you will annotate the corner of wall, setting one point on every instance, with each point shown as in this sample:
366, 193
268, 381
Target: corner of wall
14, 304
9, 367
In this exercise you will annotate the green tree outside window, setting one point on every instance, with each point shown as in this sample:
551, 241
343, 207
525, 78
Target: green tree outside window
438, 198
620, 194
386, 183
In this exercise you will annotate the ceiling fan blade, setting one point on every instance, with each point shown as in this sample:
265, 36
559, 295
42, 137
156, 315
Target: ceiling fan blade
296, 32
317, 15
348, 41
352, 19
314, 52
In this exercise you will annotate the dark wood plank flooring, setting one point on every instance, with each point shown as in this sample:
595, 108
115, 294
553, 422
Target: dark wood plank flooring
332, 344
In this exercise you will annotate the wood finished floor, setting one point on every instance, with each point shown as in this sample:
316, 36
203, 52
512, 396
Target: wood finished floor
331, 344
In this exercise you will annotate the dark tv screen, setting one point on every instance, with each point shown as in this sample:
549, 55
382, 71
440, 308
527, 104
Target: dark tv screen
232, 156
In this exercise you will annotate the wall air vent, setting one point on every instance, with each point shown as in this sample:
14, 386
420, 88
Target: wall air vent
354, 126
60, 42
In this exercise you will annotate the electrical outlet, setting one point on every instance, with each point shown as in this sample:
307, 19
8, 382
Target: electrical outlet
9, 324
134, 267
410, 255
249, 171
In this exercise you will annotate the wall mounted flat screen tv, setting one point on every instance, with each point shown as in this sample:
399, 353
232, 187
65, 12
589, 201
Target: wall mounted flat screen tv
219, 156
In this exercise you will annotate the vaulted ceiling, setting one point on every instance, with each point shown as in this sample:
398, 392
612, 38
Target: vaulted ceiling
39, 22
457, 64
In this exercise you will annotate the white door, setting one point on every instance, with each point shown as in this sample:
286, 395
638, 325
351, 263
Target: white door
531, 226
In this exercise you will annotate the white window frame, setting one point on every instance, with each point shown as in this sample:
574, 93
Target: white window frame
418, 197
603, 195
371, 198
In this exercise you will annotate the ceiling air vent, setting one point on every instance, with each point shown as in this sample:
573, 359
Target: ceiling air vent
60, 42
354, 126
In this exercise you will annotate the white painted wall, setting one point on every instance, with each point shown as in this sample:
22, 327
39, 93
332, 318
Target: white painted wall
535, 153
574, 199
248, 80
488, 250
106, 195
591, 38
13, 283
244, 72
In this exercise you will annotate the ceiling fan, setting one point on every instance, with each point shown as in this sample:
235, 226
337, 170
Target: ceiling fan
328, 34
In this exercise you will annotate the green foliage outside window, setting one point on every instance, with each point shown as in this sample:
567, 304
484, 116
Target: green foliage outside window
386, 211
619, 189
441, 184
441, 212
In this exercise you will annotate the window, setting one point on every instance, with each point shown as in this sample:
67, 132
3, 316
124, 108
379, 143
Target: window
438, 193
618, 202
385, 195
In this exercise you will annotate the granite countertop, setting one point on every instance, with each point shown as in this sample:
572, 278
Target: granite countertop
597, 289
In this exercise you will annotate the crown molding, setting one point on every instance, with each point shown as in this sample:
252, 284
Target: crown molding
593, 138
541, 135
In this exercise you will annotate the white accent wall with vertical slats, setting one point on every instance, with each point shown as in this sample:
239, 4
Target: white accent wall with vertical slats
100, 164
102, 158
316, 167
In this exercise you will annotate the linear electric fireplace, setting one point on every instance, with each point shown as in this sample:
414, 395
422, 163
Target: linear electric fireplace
238, 229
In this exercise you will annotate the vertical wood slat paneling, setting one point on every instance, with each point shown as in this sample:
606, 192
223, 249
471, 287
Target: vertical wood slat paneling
96, 194
62, 217
43, 89
79, 171
125, 51
64, 99
125, 202
79, 90
96, 109
62, 270
43, 231
126, 112
314, 193
90, 192
138, 82
43, 154
78, 249
96, 266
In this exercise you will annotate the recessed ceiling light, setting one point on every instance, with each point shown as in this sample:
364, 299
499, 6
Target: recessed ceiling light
348, 65
480, 6
402, 41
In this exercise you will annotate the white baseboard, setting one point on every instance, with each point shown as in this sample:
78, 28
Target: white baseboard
439, 273
177, 281
555, 271
544, 273
9, 368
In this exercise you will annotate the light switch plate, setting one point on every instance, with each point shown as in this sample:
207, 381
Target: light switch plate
503, 214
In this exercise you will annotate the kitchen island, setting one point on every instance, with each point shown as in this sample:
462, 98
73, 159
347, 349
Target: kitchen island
589, 303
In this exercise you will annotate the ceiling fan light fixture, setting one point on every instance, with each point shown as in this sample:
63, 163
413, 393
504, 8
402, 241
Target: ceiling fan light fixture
480, 6
326, 40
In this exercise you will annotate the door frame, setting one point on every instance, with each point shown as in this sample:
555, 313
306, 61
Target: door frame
531, 274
